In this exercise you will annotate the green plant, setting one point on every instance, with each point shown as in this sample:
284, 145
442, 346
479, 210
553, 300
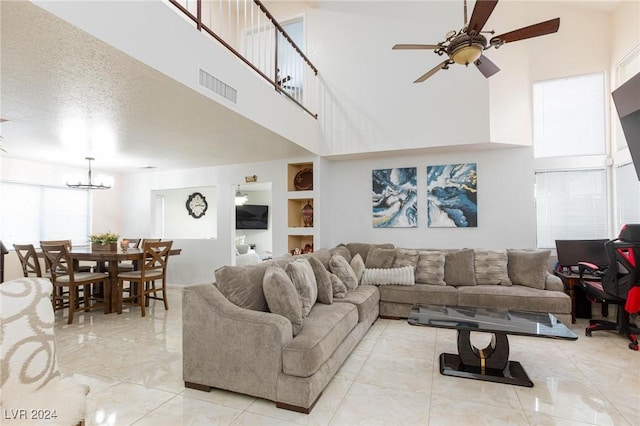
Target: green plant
109, 237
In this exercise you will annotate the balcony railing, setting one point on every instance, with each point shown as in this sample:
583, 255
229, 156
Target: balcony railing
250, 32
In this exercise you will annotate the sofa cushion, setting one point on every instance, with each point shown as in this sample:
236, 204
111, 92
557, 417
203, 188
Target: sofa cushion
357, 264
389, 276
419, 293
340, 266
406, 257
491, 267
301, 274
459, 268
323, 255
282, 296
380, 257
339, 289
365, 297
363, 248
323, 281
242, 285
516, 297
342, 250
528, 267
324, 329
430, 267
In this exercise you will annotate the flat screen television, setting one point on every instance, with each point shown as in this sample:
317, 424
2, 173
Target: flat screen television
251, 216
570, 252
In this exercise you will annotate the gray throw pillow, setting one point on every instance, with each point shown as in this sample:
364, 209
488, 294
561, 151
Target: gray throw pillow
430, 267
342, 250
406, 257
242, 285
459, 269
323, 281
380, 258
323, 255
363, 248
357, 264
339, 289
528, 268
282, 297
491, 267
339, 266
301, 274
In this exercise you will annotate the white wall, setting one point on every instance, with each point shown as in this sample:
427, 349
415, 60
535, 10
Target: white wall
506, 210
178, 223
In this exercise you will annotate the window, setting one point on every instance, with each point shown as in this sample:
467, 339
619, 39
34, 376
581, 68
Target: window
572, 198
30, 213
627, 195
568, 116
571, 205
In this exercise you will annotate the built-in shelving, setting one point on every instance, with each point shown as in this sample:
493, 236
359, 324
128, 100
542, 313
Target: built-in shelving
300, 193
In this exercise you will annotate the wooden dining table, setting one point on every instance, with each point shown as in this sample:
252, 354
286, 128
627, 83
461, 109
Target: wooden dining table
107, 261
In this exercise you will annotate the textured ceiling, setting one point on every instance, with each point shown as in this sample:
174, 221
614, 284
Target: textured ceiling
67, 95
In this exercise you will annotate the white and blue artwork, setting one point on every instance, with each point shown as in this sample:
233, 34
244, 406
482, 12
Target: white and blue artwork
452, 196
395, 198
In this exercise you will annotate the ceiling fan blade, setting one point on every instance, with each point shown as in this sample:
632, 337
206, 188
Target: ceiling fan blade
486, 67
415, 46
432, 71
539, 29
481, 12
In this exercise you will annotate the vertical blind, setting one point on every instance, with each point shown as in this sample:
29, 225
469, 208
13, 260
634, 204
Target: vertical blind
30, 213
571, 205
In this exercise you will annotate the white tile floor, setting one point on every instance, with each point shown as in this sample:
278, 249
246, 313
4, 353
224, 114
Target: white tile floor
134, 368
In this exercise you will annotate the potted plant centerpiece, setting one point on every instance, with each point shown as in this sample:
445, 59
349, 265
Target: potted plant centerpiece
104, 242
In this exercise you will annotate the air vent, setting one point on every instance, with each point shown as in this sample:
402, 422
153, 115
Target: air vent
218, 87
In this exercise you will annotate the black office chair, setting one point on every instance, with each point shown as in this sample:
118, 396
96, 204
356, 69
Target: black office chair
619, 284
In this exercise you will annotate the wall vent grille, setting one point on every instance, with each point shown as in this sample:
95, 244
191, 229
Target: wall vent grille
218, 87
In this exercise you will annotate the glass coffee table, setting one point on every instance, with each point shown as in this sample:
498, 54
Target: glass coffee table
491, 363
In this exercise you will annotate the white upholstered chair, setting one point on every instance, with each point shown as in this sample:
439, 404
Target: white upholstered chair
32, 387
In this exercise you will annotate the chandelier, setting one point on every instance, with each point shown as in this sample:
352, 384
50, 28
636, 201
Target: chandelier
89, 185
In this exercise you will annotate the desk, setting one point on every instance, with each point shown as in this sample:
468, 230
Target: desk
572, 280
111, 258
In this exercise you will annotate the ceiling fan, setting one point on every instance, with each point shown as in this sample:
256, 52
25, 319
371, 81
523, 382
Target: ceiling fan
466, 45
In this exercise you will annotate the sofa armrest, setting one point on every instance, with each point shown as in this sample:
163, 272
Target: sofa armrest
553, 283
229, 347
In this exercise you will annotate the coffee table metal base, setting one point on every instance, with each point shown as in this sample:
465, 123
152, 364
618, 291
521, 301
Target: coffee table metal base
513, 374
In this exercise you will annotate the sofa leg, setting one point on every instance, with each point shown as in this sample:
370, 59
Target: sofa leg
296, 408
197, 386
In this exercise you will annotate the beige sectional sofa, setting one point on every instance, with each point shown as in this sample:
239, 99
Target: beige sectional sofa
232, 341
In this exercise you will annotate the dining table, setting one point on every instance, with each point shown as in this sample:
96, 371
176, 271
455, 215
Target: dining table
107, 261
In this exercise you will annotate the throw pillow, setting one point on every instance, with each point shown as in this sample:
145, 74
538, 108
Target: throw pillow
459, 268
357, 264
389, 276
323, 281
339, 266
339, 289
323, 255
363, 248
405, 257
380, 257
301, 274
430, 267
342, 250
491, 267
242, 285
528, 268
282, 297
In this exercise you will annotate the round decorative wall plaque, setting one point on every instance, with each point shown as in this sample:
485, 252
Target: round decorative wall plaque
196, 205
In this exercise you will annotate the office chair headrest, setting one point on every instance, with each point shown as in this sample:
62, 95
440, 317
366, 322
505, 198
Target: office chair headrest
630, 233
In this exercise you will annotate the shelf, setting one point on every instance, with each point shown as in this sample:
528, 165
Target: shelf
300, 194
299, 241
293, 169
294, 212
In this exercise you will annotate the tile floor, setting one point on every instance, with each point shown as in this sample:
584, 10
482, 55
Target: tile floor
134, 368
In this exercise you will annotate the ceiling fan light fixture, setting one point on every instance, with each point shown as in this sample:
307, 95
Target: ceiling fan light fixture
466, 55
240, 197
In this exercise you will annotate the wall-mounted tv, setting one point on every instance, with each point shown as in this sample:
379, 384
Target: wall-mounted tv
251, 216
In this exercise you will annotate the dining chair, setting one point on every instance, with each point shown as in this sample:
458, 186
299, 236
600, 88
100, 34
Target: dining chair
142, 282
126, 266
29, 260
60, 265
79, 268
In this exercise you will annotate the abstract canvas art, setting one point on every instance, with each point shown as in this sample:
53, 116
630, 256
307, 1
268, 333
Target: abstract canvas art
395, 198
452, 196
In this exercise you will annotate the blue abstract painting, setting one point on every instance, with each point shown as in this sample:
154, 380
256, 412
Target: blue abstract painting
452, 196
395, 198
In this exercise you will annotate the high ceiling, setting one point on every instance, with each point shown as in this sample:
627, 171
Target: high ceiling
67, 95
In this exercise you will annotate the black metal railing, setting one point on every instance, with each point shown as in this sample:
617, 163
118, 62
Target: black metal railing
248, 30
